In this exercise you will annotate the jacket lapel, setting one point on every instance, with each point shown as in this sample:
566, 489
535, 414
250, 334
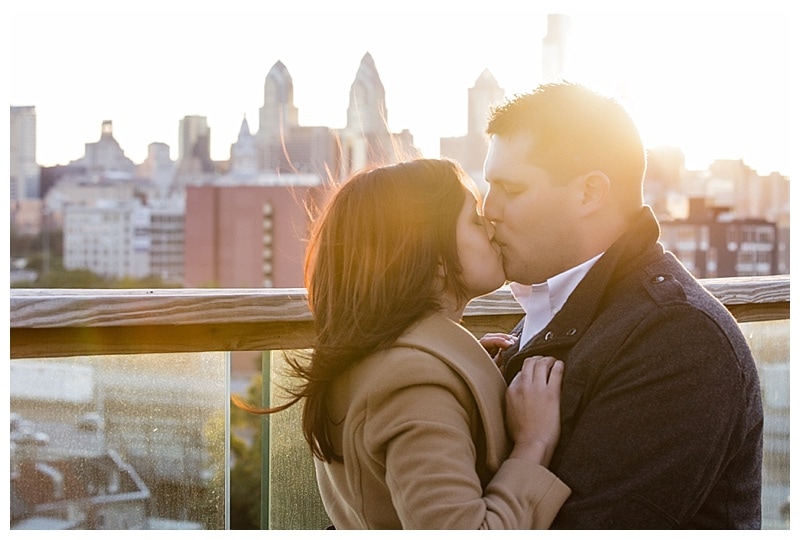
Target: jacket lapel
457, 347
567, 326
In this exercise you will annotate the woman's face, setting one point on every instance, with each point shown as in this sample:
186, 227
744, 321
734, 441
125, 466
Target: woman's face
481, 264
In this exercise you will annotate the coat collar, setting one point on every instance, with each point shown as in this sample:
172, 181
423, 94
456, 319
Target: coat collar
577, 313
462, 352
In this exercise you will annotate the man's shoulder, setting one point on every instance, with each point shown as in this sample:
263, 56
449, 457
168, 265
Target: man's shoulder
667, 282
670, 282
664, 289
680, 309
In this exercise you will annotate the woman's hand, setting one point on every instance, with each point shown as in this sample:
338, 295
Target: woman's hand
496, 342
532, 409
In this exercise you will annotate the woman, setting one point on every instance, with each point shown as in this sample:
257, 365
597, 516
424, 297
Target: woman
403, 407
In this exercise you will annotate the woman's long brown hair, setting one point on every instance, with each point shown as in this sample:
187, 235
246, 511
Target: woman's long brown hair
371, 271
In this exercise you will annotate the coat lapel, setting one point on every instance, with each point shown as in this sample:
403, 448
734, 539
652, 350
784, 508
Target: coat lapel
567, 326
457, 347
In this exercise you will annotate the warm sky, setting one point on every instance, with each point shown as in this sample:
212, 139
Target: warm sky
716, 83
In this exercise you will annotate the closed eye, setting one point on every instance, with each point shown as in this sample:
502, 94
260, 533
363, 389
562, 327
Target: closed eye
510, 189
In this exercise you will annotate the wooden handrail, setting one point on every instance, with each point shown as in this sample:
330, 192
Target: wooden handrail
47, 323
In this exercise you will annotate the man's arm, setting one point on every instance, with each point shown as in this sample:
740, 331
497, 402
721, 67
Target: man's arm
658, 425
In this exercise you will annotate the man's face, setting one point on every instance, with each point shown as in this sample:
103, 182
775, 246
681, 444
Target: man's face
534, 217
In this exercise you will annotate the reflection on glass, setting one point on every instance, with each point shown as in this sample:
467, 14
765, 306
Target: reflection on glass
294, 502
770, 344
119, 442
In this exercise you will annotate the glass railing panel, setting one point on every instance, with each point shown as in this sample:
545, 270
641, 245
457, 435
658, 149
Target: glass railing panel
294, 501
770, 344
119, 442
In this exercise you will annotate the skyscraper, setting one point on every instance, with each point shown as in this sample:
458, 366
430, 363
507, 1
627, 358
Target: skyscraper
194, 153
192, 129
470, 149
22, 156
278, 114
367, 110
366, 138
554, 47
244, 152
283, 145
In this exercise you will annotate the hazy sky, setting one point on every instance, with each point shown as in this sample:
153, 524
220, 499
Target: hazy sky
716, 83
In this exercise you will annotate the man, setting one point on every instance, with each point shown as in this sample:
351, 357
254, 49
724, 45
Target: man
661, 409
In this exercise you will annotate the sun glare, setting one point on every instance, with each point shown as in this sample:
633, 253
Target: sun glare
714, 83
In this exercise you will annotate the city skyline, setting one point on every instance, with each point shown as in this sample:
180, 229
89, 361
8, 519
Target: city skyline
715, 84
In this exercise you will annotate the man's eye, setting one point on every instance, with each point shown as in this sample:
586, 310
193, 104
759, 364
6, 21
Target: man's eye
508, 189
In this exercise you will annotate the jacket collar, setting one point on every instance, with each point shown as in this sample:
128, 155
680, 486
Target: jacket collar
461, 351
574, 318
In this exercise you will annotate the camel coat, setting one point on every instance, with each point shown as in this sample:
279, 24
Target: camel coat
421, 430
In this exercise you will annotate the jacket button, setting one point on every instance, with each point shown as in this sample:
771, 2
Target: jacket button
548, 336
572, 331
657, 279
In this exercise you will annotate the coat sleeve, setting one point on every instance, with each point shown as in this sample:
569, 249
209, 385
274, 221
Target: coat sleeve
663, 423
422, 427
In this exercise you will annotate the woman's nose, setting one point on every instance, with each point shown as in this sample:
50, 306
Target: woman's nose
489, 226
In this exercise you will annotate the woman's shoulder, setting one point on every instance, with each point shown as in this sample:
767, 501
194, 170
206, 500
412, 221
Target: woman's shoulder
438, 351
425, 351
441, 336
404, 364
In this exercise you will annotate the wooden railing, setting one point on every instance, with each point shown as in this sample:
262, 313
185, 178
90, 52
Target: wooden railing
48, 323
53, 323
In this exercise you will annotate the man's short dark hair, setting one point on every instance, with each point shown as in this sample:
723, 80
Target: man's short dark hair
576, 130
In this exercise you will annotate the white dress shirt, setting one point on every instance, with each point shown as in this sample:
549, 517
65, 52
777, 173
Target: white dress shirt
541, 301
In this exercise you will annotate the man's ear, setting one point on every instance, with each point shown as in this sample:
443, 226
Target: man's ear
595, 191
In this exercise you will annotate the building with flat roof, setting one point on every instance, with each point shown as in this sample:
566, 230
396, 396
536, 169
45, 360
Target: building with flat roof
469, 150
712, 243
22, 155
249, 235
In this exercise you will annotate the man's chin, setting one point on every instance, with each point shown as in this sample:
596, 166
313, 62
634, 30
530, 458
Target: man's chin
513, 275
508, 271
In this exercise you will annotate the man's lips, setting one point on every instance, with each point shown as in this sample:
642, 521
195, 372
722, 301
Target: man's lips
501, 249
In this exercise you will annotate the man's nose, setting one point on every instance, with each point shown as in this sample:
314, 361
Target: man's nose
491, 210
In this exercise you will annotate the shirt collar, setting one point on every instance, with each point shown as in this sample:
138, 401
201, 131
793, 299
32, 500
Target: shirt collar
541, 301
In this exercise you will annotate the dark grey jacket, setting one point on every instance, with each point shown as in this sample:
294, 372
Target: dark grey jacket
661, 406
